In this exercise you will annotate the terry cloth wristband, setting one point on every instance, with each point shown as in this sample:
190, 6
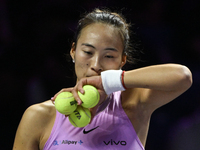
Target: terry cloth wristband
112, 81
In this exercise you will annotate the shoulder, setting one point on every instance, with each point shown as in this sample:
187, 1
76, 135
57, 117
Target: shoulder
39, 115
43, 109
33, 123
41, 112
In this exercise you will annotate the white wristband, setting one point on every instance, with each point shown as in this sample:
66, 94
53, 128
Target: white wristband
111, 80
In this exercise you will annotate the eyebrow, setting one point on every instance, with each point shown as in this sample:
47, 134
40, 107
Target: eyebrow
89, 45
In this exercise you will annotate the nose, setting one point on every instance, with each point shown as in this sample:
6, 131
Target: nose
96, 65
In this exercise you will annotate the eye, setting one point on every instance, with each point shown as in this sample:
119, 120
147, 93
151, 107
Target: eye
109, 56
88, 53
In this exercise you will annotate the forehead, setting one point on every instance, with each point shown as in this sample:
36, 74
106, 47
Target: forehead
101, 34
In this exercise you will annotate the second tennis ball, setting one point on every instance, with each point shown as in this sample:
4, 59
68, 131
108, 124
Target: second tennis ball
65, 103
91, 96
80, 117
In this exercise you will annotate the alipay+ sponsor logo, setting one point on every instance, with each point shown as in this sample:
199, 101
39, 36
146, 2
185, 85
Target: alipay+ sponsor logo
68, 142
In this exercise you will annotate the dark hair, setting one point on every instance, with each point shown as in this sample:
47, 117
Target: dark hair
111, 18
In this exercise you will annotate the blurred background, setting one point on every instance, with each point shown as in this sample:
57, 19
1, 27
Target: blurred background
35, 37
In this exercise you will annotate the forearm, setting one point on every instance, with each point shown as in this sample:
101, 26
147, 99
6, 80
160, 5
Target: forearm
166, 77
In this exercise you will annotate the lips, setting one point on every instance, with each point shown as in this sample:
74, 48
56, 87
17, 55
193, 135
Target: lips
92, 75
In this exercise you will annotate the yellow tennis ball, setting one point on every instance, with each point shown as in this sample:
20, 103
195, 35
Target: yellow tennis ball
91, 96
65, 103
80, 117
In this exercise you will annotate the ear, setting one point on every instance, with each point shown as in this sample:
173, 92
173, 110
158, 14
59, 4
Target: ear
73, 51
123, 60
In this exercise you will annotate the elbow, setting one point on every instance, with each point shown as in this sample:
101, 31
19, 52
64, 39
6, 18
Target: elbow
186, 77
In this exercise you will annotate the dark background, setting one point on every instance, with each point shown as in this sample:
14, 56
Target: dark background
35, 37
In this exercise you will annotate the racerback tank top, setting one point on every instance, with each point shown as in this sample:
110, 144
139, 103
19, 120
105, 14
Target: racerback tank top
110, 129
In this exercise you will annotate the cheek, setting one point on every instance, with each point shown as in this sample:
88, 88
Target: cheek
81, 64
80, 68
81, 61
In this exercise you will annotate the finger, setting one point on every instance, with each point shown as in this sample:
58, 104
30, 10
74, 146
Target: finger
79, 88
80, 85
76, 97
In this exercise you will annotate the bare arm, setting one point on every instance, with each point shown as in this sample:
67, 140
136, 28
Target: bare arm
158, 84
153, 86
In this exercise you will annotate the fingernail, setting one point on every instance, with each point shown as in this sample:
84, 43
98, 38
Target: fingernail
79, 102
82, 91
52, 98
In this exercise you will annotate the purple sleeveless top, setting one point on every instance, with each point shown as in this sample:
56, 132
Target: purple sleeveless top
110, 129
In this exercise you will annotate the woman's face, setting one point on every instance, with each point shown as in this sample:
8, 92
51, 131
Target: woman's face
99, 48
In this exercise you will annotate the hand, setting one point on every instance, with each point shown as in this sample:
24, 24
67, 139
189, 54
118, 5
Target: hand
95, 81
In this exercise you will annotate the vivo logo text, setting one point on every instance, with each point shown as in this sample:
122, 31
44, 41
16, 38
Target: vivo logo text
112, 142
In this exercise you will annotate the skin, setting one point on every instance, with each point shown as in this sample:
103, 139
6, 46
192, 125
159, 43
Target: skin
99, 48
